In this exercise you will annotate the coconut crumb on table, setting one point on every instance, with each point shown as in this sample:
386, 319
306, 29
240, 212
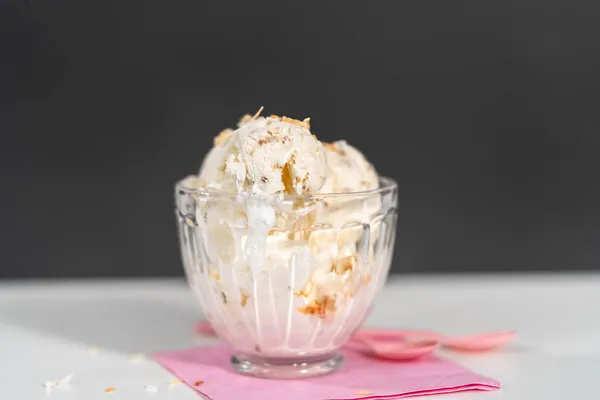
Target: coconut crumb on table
64, 381
151, 388
137, 358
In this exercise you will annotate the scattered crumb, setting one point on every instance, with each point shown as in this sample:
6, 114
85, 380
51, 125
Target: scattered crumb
176, 381
198, 383
257, 349
64, 381
223, 297
151, 388
367, 279
110, 389
137, 357
363, 392
93, 351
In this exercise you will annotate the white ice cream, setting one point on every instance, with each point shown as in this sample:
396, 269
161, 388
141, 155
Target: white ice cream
266, 156
348, 169
264, 231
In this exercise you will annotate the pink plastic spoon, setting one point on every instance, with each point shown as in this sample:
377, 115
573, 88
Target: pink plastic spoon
394, 349
475, 342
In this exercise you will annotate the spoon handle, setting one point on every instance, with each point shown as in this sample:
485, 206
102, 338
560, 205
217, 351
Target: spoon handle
398, 334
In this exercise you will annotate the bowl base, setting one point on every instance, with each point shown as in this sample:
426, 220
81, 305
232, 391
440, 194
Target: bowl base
290, 368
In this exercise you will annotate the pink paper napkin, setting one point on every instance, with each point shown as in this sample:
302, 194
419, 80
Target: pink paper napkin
361, 377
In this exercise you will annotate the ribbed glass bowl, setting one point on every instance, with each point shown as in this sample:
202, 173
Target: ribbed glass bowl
286, 281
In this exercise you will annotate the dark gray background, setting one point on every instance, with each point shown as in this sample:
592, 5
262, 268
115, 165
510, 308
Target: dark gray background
486, 112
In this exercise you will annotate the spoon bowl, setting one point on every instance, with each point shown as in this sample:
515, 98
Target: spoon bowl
393, 348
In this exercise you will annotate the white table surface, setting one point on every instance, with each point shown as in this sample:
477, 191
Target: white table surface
47, 328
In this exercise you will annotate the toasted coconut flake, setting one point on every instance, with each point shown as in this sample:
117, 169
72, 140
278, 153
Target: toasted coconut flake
258, 112
276, 232
198, 383
64, 381
176, 381
306, 289
244, 297
286, 176
110, 389
151, 388
329, 146
319, 307
344, 265
304, 124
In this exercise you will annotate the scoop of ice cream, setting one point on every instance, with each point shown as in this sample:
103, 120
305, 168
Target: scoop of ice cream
279, 155
348, 169
274, 155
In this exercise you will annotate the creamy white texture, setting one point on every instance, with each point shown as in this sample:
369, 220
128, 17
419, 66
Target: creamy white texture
212, 171
348, 169
268, 156
256, 230
348, 172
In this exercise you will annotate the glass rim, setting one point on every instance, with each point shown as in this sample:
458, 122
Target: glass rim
386, 184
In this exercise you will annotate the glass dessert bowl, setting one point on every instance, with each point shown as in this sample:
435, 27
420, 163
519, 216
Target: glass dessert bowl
285, 280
